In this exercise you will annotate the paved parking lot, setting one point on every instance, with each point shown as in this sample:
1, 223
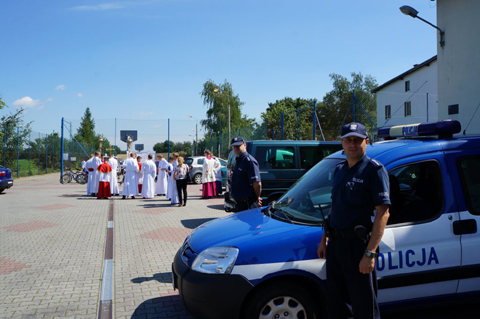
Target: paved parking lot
52, 252
53, 243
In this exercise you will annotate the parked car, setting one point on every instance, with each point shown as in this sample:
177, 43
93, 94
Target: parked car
281, 164
6, 180
241, 265
196, 169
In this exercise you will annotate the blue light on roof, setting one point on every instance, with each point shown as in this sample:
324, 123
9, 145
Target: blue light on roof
444, 128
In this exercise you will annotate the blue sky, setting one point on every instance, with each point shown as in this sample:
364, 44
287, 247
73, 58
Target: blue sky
144, 61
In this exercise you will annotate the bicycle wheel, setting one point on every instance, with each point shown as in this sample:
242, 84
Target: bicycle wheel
66, 178
81, 178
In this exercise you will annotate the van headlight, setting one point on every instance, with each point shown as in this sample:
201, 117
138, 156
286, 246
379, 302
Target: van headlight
216, 260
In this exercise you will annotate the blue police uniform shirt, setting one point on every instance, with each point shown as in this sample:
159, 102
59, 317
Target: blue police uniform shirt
356, 191
245, 172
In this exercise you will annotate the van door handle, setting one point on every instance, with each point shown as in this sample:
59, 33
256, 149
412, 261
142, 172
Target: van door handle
462, 227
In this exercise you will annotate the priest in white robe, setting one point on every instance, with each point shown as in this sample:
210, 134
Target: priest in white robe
113, 162
149, 170
162, 178
130, 183
96, 162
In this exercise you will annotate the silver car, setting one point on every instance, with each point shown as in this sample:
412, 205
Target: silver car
196, 168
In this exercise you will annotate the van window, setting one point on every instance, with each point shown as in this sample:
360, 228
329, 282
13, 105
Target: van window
311, 155
415, 192
275, 157
470, 177
188, 160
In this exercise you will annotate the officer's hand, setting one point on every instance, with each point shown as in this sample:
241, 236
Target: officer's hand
322, 250
366, 265
259, 202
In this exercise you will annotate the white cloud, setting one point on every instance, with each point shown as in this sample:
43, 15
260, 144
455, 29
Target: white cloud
80, 94
99, 7
60, 87
26, 102
112, 5
50, 99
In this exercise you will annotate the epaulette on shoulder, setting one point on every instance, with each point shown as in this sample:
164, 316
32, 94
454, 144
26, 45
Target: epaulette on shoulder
376, 163
340, 164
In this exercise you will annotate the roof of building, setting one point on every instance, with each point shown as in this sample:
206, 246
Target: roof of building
401, 76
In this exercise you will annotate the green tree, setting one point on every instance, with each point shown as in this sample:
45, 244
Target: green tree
86, 131
219, 98
14, 140
163, 147
2, 104
337, 104
297, 120
158, 147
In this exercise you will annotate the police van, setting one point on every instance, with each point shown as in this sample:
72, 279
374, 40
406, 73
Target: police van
262, 263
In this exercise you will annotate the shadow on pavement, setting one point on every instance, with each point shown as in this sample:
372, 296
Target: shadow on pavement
162, 307
157, 205
194, 223
219, 207
165, 277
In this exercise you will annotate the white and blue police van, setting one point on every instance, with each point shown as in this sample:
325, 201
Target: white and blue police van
262, 263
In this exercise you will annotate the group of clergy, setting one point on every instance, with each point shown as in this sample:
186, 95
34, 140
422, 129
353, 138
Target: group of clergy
139, 177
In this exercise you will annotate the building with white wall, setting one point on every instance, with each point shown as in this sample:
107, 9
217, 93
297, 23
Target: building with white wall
459, 63
411, 97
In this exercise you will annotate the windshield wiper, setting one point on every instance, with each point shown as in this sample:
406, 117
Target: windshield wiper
284, 213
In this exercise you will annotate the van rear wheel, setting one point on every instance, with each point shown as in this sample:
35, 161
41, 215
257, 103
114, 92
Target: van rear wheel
282, 300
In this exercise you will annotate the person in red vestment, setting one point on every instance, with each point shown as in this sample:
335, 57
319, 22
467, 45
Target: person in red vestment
140, 175
104, 171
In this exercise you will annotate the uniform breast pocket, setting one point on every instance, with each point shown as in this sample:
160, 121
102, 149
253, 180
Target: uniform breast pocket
355, 193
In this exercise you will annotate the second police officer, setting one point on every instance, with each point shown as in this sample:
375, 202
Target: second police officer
360, 186
246, 185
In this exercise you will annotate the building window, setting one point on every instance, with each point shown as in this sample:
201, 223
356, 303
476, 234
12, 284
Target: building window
388, 111
407, 86
408, 108
453, 109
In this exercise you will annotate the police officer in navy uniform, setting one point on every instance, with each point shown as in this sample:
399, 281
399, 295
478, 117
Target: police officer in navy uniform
246, 183
351, 239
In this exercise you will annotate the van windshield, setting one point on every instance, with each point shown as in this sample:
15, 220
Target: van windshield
310, 196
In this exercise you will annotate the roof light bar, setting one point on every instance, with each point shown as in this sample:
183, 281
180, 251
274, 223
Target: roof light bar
443, 129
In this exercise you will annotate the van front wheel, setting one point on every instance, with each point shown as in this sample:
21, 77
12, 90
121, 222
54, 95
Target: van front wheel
282, 300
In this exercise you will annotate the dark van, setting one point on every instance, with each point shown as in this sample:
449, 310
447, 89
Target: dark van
282, 163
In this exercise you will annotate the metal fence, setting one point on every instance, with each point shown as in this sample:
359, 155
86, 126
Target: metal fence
28, 152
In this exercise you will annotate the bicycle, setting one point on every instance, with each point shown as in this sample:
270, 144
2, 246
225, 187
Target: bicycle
79, 176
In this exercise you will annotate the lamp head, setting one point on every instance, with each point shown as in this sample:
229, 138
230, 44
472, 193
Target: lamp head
409, 11
215, 91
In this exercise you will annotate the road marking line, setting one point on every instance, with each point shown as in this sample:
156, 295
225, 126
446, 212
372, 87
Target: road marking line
105, 306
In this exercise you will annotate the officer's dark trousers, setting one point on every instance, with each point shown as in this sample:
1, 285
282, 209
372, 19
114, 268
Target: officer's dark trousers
350, 293
247, 203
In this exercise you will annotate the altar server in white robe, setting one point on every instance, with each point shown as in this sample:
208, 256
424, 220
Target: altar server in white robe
149, 170
139, 175
162, 178
95, 164
172, 193
91, 174
113, 162
130, 183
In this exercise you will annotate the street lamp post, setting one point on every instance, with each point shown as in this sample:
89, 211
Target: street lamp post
409, 11
228, 105
196, 132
